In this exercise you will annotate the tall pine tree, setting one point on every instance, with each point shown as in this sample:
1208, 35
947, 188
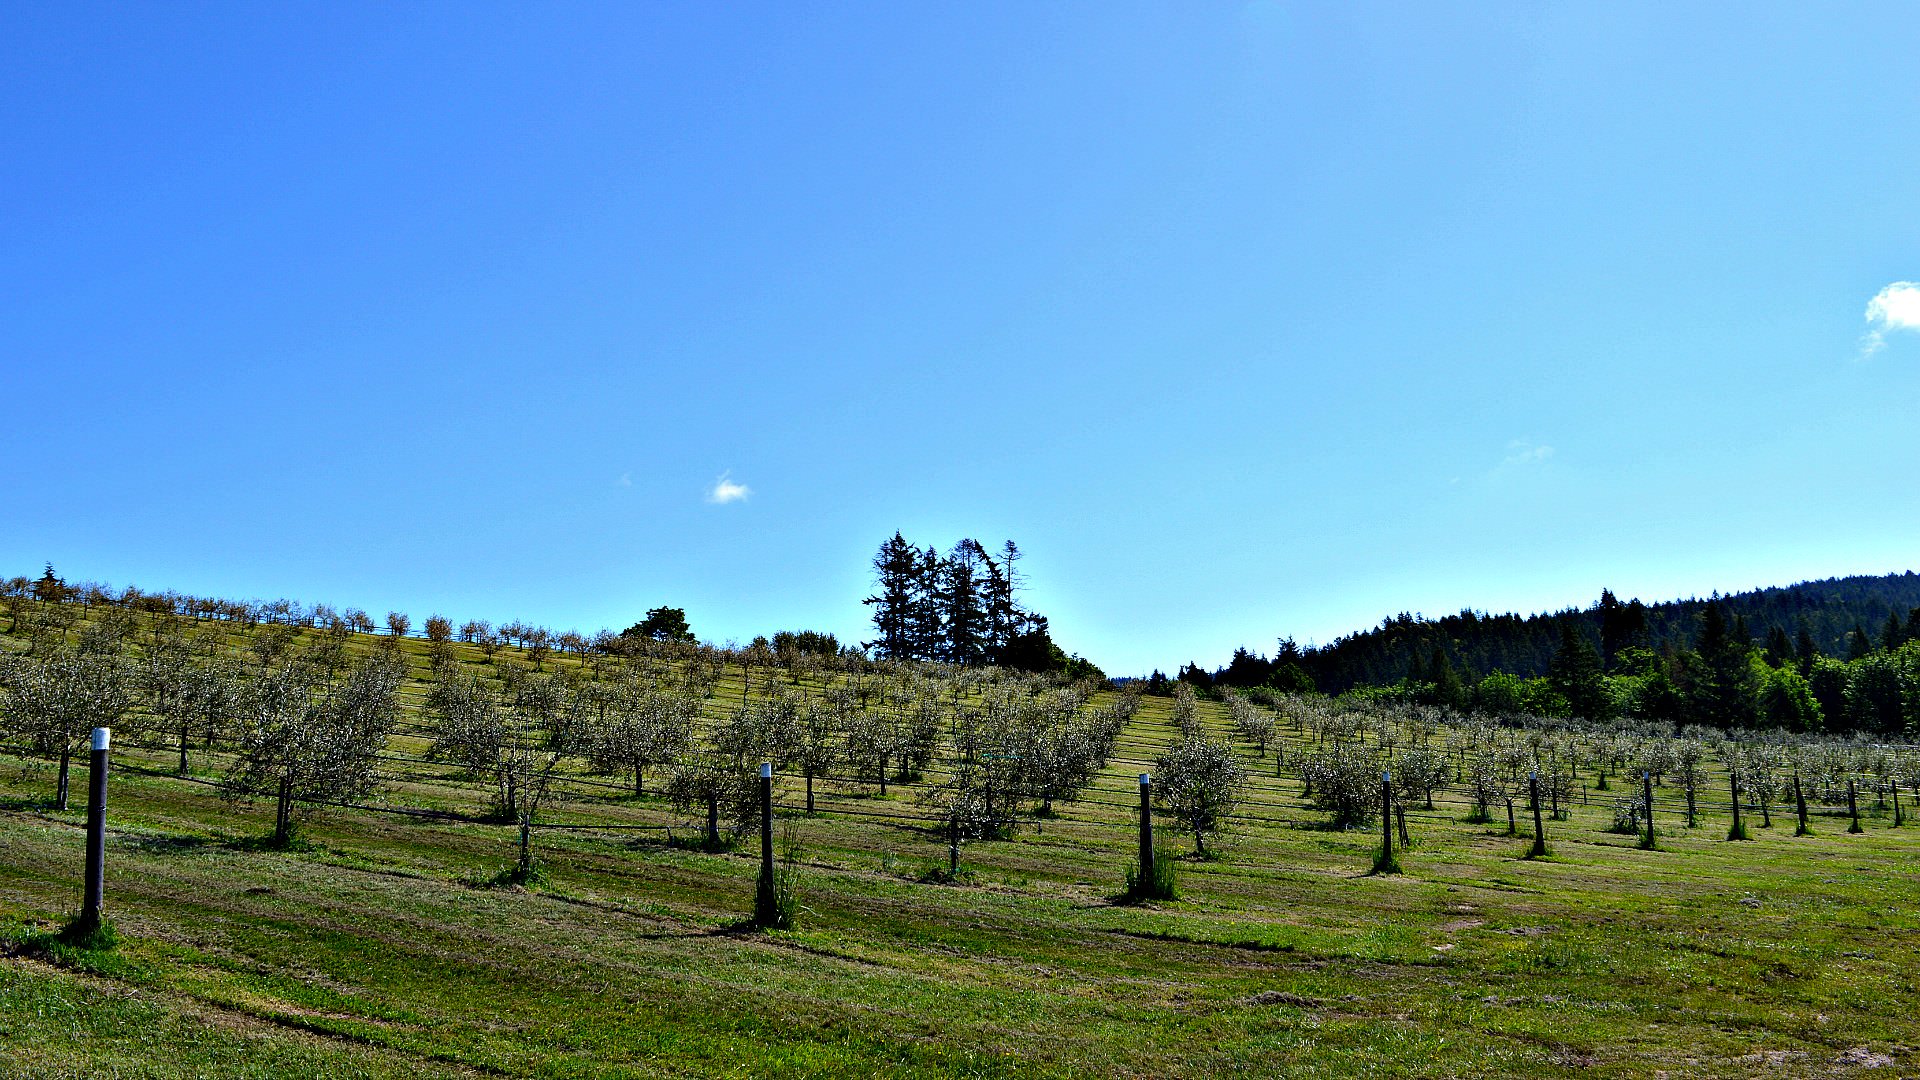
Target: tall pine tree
1575, 673
1723, 693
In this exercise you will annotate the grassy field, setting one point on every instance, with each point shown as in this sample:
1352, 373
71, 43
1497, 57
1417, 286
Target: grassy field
378, 949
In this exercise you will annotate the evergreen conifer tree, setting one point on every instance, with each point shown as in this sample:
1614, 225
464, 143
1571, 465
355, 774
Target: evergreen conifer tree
1722, 694
896, 568
1575, 673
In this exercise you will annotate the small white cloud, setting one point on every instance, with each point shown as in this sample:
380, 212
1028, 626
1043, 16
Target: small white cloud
1896, 307
1522, 452
726, 491
626, 480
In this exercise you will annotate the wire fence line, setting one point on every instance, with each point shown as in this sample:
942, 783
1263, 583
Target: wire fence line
1667, 801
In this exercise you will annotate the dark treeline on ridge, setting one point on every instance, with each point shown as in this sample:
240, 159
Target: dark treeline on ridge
1838, 654
1828, 611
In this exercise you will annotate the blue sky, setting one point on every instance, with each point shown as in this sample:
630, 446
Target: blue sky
1243, 320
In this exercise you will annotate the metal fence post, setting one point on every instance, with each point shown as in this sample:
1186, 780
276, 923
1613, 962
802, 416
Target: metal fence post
765, 906
96, 885
1146, 830
1539, 827
1646, 779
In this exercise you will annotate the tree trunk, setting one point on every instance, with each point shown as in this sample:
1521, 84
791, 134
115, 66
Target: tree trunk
524, 869
809, 792
183, 749
639, 780
1513, 829
60, 791
283, 813
713, 819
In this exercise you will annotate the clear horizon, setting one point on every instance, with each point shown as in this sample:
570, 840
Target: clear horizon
1244, 321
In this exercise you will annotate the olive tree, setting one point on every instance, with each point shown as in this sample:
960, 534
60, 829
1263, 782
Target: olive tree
1345, 780
308, 741
640, 728
1199, 781
471, 730
188, 695
1252, 723
725, 785
1060, 749
54, 701
1488, 783
1186, 709
440, 638
517, 744
1689, 767
1418, 773
817, 741
873, 741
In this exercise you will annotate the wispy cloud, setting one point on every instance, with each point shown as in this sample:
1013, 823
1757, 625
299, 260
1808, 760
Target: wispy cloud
725, 491
1522, 452
626, 480
1894, 308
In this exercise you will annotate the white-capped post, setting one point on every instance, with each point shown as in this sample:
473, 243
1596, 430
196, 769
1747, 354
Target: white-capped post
1646, 787
1146, 829
96, 884
1539, 848
1386, 817
765, 908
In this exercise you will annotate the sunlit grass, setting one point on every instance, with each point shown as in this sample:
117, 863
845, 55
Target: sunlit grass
387, 947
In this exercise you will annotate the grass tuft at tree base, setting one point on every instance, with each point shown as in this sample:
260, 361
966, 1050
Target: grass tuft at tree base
518, 876
95, 935
1159, 884
1385, 862
75, 947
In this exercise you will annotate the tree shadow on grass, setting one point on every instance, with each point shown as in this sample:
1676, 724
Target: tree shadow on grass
267, 842
173, 844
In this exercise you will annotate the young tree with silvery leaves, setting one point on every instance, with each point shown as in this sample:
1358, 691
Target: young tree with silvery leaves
53, 702
188, 694
1199, 780
307, 741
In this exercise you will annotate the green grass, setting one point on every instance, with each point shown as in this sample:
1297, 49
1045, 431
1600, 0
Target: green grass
370, 953
378, 948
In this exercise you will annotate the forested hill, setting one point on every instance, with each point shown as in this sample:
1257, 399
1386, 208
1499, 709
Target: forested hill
1827, 610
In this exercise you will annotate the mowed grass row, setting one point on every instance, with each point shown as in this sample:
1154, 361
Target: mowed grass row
378, 951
